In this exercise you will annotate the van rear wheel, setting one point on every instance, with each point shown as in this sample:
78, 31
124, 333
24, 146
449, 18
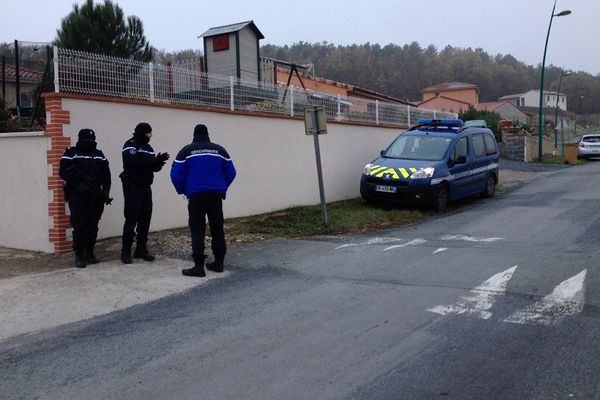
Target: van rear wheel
490, 187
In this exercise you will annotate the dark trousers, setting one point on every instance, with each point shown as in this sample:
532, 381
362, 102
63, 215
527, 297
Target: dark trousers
138, 213
199, 206
85, 216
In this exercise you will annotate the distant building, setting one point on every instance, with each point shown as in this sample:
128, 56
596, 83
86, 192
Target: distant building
531, 98
506, 109
29, 79
450, 96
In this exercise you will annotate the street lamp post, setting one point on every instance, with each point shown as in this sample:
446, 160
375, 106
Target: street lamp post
540, 122
563, 73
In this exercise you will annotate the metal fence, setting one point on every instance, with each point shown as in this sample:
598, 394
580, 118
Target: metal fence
100, 75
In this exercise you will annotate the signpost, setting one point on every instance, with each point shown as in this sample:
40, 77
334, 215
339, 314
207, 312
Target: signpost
315, 124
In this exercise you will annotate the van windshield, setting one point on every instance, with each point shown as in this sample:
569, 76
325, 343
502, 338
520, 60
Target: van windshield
430, 148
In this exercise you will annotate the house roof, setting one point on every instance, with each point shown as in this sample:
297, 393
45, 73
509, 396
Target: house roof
445, 98
449, 86
26, 75
220, 30
492, 105
547, 111
351, 89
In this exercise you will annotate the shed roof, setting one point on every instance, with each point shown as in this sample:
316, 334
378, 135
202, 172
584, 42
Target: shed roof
219, 30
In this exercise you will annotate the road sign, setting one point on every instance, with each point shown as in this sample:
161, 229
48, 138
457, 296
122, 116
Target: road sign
315, 120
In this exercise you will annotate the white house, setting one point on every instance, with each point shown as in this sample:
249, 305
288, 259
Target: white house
531, 98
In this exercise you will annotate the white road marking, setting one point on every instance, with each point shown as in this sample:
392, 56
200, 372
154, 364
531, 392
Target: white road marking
481, 298
375, 240
468, 238
566, 299
440, 250
413, 242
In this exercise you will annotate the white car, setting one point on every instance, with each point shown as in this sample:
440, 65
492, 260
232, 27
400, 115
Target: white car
589, 146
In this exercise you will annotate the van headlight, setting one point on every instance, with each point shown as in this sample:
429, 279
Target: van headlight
423, 173
367, 169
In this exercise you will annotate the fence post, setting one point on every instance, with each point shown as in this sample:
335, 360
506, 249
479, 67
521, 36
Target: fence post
151, 76
408, 114
376, 112
56, 80
292, 101
339, 107
231, 99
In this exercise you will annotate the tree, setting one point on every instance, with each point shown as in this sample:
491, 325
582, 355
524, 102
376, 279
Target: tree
490, 117
102, 28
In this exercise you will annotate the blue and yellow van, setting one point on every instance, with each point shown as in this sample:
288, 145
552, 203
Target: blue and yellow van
435, 162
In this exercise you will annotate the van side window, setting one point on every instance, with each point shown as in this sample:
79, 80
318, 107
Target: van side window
460, 150
490, 144
478, 145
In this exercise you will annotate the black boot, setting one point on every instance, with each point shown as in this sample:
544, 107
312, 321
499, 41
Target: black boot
80, 259
216, 265
90, 258
197, 269
126, 253
142, 252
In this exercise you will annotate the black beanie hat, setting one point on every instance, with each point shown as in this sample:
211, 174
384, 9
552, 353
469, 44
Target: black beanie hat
200, 132
86, 135
142, 128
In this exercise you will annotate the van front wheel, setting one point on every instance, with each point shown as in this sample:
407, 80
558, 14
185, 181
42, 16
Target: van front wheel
440, 200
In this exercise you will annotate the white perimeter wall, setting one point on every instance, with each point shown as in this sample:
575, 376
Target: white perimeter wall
274, 158
24, 220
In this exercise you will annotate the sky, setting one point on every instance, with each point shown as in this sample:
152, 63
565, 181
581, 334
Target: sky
516, 27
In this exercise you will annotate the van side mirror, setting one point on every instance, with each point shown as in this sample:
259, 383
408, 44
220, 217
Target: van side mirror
381, 152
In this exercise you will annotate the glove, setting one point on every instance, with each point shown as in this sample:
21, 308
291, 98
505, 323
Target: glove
107, 199
163, 157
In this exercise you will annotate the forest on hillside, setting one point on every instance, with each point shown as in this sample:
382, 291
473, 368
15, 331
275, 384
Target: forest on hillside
402, 71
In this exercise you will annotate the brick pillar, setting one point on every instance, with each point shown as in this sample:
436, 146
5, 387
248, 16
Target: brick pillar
59, 220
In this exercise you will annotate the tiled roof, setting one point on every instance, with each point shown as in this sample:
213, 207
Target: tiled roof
26, 75
448, 86
547, 111
445, 98
491, 106
352, 89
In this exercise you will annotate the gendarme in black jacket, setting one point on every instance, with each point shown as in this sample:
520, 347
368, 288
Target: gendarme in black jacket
87, 176
139, 165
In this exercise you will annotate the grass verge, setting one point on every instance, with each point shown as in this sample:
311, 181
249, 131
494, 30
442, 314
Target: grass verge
349, 216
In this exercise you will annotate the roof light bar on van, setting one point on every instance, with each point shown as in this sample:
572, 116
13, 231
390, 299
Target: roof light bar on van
450, 123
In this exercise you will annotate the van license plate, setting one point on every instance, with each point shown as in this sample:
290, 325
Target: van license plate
386, 189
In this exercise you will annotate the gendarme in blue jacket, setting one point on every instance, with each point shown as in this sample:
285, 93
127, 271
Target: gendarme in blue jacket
202, 166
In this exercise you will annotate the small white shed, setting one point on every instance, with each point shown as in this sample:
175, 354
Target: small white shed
233, 50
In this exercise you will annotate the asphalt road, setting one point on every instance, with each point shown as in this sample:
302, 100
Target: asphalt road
497, 300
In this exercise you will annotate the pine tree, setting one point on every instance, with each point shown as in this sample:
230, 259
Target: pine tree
102, 28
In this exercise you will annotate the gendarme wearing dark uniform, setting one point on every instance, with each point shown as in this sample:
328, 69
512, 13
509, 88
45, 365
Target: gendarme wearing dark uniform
87, 176
139, 165
203, 172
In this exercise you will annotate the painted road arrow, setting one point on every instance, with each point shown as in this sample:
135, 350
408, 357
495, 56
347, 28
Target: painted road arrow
481, 298
566, 299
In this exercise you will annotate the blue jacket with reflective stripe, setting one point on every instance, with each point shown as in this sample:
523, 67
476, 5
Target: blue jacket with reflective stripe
202, 166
